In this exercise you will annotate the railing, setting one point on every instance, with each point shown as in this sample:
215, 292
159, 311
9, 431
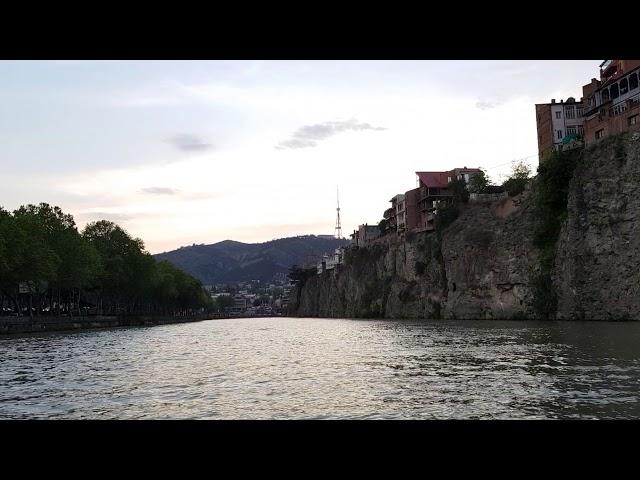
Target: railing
630, 102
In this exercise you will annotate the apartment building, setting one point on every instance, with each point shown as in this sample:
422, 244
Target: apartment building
612, 103
411, 214
434, 191
364, 234
399, 209
558, 123
609, 105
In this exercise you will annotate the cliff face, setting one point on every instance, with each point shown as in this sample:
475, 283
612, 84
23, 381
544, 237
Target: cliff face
489, 261
479, 268
483, 265
597, 269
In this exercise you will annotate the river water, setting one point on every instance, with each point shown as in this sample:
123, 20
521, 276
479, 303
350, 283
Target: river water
286, 368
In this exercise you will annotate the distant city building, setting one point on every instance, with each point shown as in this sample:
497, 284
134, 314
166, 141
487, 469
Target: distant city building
239, 304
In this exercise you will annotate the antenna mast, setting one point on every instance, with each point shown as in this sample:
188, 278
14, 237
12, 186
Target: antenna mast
338, 232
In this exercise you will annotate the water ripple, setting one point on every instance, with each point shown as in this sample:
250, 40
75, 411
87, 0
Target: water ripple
319, 368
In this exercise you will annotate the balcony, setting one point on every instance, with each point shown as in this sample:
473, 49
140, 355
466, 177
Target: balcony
436, 196
606, 64
609, 68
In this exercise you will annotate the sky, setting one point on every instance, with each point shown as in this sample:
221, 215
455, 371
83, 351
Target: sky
183, 152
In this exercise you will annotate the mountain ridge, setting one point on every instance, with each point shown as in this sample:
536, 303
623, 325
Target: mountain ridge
233, 261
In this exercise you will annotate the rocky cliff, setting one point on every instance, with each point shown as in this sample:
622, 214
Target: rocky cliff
597, 268
485, 265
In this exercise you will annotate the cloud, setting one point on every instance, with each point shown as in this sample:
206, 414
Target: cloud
159, 190
486, 105
202, 196
310, 135
111, 216
182, 195
189, 143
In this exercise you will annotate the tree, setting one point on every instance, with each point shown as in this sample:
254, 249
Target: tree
517, 181
459, 189
223, 302
478, 182
382, 226
41, 248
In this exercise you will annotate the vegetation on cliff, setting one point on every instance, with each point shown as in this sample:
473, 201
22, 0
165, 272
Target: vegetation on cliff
48, 266
517, 181
550, 193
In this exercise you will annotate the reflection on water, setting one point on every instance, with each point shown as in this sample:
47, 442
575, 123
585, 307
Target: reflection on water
321, 368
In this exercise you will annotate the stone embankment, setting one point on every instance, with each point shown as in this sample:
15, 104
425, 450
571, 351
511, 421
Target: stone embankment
50, 323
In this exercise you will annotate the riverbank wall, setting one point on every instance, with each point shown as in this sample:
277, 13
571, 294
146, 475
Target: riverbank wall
10, 325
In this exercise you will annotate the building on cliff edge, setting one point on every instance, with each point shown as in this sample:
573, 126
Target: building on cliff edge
609, 105
364, 235
329, 262
434, 192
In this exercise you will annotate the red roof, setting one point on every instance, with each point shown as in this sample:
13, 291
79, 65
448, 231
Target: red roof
434, 179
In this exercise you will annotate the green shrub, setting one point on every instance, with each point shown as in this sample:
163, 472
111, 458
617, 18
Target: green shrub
478, 182
550, 194
459, 189
446, 215
515, 186
517, 181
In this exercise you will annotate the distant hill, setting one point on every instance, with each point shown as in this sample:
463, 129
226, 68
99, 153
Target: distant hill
230, 261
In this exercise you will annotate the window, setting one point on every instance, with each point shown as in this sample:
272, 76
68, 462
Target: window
578, 112
559, 133
570, 112
615, 93
618, 109
599, 133
571, 130
624, 86
605, 95
558, 113
633, 81
633, 120
581, 130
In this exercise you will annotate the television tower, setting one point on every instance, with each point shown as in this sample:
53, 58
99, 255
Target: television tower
338, 232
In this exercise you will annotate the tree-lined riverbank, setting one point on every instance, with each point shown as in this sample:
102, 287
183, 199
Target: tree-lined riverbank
49, 268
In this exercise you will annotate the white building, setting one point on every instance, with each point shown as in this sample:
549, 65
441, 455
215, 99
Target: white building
566, 118
329, 262
239, 304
